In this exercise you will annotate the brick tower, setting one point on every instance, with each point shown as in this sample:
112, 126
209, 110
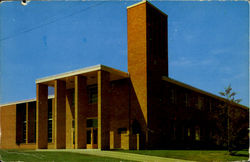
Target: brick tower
147, 58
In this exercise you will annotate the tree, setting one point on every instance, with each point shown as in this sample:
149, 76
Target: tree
230, 96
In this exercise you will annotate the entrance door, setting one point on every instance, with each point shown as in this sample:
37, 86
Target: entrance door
92, 133
92, 138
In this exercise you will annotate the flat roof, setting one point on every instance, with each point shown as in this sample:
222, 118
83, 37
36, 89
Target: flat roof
136, 4
70, 74
199, 90
23, 101
145, 1
83, 71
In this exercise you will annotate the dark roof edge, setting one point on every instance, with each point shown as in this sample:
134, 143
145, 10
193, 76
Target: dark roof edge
145, 1
201, 91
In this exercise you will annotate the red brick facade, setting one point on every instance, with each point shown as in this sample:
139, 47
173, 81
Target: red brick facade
104, 108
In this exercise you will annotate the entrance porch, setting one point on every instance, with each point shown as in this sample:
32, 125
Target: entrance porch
80, 109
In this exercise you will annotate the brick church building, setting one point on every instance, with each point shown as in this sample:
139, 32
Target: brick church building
105, 108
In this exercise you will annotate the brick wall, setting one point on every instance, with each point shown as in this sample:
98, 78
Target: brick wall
8, 126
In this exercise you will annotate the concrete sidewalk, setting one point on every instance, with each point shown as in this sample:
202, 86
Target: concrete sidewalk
119, 155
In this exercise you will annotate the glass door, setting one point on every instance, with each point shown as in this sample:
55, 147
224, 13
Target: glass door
91, 133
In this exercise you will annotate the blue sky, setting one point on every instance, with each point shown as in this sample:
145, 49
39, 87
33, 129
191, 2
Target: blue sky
208, 42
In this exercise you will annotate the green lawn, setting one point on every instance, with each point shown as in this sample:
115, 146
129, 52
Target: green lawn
196, 155
33, 156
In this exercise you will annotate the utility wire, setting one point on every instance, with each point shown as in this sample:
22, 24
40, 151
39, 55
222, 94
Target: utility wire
50, 22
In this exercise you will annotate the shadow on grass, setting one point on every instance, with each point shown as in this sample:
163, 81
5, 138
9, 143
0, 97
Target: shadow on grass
196, 155
242, 155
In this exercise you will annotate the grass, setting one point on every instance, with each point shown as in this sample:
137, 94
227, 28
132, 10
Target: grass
35, 156
196, 155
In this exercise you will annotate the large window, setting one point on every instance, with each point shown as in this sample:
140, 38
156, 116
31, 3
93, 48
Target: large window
24, 123
92, 123
92, 93
34, 140
50, 120
21, 123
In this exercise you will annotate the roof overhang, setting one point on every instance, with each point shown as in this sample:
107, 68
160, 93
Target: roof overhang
89, 72
200, 91
23, 101
145, 1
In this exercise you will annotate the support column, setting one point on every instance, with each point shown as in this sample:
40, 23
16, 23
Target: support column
70, 116
81, 100
60, 114
42, 116
103, 110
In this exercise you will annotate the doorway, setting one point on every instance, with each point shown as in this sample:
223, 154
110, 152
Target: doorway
91, 133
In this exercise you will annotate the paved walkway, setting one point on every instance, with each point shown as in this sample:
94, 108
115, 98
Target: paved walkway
119, 155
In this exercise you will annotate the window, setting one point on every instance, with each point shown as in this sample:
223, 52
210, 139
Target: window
21, 123
188, 132
195, 101
122, 130
92, 92
24, 127
51, 90
95, 136
73, 98
186, 103
172, 95
136, 128
206, 104
174, 132
197, 133
210, 105
24, 123
50, 120
200, 102
92, 123
88, 136
34, 123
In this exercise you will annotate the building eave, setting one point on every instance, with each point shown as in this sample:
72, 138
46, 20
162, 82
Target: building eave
23, 101
145, 1
82, 71
200, 91
136, 4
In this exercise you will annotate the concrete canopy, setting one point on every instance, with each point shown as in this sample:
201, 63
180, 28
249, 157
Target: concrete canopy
89, 72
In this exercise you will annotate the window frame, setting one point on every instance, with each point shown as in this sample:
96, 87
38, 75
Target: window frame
92, 94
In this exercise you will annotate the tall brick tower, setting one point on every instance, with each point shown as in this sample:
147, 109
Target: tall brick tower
147, 58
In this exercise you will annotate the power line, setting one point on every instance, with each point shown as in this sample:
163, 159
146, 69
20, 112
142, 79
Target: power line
50, 22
